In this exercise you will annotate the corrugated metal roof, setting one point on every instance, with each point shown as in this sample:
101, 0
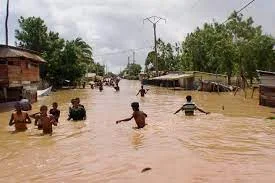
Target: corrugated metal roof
15, 52
173, 77
90, 75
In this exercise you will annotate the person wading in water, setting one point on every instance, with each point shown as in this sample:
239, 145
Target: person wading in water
142, 91
189, 107
19, 118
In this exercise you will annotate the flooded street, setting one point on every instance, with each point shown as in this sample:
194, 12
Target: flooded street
236, 144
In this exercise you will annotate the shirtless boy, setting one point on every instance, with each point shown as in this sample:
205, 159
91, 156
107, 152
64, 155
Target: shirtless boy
139, 116
142, 91
55, 112
46, 120
19, 118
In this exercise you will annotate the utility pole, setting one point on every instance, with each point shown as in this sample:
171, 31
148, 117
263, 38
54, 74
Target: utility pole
128, 62
6, 24
134, 61
154, 20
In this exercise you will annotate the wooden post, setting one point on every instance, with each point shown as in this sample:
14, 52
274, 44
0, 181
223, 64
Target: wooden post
236, 91
253, 91
5, 94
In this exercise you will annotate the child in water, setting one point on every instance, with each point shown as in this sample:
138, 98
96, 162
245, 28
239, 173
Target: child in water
55, 112
142, 91
46, 121
19, 118
189, 107
139, 116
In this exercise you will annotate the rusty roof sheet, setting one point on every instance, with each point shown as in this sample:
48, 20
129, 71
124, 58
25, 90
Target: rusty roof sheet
15, 52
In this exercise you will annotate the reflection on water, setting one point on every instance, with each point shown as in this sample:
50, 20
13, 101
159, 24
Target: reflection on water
137, 139
235, 143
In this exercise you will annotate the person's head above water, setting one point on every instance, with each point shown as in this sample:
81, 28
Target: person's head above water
77, 100
141, 86
43, 109
55, 105
188, 98
72, 101
18, 107
135, 106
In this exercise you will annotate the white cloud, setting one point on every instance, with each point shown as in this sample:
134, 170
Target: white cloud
115, 25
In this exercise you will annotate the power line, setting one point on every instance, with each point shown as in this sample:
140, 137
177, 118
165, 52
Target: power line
122, 51
241, 9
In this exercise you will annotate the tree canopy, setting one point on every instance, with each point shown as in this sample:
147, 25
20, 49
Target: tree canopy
132, 71
236, 48
66, 59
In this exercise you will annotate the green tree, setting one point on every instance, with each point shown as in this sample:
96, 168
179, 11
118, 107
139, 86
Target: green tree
66, 60
33, 34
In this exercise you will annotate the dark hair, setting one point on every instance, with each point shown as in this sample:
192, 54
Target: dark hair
18, 104
135, 105
55, 103
188, 98
43, 106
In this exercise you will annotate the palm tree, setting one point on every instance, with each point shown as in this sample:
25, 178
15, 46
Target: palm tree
84, 50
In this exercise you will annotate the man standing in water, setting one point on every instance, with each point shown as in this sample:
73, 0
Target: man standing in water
139, 116
142, 91
19, 118
189, 107
100, 85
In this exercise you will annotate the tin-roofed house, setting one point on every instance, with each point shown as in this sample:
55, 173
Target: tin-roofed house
19, 73
267, 88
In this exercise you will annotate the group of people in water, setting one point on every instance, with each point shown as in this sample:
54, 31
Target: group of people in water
189, 108
112, 82
44, 120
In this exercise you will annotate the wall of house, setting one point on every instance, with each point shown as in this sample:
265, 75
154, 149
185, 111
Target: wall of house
267, 96
210, 77
187, 83
22, 71
4, 82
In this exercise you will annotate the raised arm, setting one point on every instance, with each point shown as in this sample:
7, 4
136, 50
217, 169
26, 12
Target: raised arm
138, 93
202, 111
145, 114
127, 119
34, 116
11, 120
179, 110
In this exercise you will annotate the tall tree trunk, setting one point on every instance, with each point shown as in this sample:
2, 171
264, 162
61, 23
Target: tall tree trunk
6, 24
229, 78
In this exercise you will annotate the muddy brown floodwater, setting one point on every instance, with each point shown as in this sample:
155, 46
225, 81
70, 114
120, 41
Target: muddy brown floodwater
236, 144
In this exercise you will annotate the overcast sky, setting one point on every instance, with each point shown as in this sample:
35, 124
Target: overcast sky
112, 26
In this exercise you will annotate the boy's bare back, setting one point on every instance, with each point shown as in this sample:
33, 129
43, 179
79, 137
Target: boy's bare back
139, 117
